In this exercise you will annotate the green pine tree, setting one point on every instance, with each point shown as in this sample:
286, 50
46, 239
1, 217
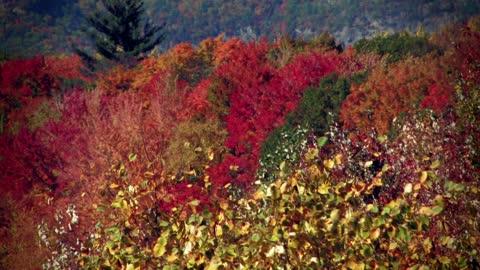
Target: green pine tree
121, 33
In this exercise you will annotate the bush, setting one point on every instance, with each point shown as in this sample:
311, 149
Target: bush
396, 46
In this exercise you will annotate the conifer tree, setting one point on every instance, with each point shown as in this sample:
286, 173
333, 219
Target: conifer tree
121, 32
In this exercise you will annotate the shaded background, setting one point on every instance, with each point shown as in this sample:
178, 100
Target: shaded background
32, 27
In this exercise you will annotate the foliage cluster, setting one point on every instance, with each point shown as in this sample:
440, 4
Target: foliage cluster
397, 46
236, 155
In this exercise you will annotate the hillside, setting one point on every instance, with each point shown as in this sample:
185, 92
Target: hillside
33, 27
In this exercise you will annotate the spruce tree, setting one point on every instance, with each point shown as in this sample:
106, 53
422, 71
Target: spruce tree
121, 32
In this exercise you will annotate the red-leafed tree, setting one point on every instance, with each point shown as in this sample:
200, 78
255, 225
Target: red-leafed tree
259, 98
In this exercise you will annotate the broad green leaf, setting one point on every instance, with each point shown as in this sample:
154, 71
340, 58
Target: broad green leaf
159, 248
190, 263
163, 223
372, 208
452, 186
382, 138
231, 252
322, 141
256, 237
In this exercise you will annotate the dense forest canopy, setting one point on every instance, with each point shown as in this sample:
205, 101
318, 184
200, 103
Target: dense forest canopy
288, 152
52, 26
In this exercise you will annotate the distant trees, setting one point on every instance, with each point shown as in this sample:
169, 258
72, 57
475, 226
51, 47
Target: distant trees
121, 33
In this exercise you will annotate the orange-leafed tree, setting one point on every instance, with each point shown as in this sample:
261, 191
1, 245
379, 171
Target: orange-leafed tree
390, 92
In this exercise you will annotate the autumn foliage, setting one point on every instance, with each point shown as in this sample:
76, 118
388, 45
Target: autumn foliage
163, 165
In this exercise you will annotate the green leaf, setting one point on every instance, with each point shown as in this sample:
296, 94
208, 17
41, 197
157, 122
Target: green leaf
163, 223
334, 214
435, 164
132, 157
322, 141
194, 203
382, 138
256, 237
444, 260
159, 248
372, 208
385, 168
231, 252
452, 186
311, 154
130, 267
431, 211
190, 263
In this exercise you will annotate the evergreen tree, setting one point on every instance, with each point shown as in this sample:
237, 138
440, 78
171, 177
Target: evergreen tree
121, 32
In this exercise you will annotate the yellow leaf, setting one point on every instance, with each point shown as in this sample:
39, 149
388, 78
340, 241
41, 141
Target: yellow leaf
329, 163
334, 214
323, 189
355, 266
211, 155
113, 185
218, 230
148, 174
172, 258
259, 195
430, 211
338, 159
191, 172
224, 205
374, 234
427, 245
444, 260
423, 177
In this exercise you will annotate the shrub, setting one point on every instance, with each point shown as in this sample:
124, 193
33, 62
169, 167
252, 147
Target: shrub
397, 46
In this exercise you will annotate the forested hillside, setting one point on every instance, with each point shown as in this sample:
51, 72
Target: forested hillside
284, 154
48, 26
